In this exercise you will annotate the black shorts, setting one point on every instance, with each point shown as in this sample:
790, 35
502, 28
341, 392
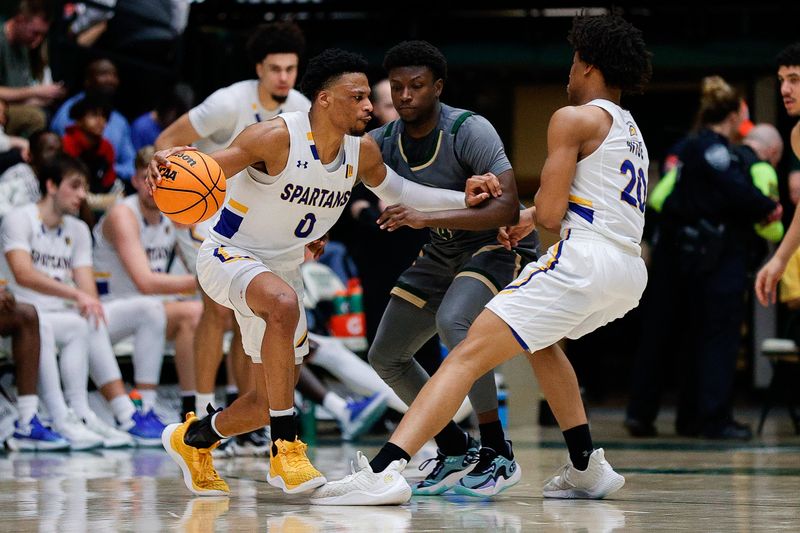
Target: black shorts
426, 281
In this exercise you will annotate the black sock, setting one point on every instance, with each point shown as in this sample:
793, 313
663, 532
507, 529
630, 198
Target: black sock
492, 436
187, 405
579, 443
282, 428
452, 440
230, 397
390, 452
201, 434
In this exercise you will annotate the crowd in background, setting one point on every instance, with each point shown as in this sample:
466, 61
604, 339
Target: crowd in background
70, 153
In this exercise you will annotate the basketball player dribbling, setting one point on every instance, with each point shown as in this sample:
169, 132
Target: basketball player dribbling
593, 188
789, 78
275, 50
299, 171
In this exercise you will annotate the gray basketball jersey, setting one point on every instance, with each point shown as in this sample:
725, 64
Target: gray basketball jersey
463, 144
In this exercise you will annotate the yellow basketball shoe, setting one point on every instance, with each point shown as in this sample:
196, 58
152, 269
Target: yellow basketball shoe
196, 464
290, 469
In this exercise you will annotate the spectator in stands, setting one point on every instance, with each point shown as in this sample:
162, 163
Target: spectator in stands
12, 149
102, 78
84, 140
21, 322
49, 253
19, 184
146, 129
134, 244
21, 34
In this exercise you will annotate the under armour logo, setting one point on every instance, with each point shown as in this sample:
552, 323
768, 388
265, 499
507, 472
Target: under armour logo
303, 164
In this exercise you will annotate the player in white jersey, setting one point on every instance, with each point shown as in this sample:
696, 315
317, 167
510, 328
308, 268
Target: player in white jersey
275, 50
300, 168
134, 243
593, 191
49, 253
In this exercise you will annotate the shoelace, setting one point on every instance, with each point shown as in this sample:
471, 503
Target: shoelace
207, 473
295, 455
470, 457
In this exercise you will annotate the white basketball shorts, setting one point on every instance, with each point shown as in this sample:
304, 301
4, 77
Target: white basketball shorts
224, 272
583, 282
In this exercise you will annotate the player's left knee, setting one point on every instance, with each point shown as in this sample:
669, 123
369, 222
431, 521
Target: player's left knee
26, 317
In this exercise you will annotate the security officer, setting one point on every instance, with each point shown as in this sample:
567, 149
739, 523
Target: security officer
698, 277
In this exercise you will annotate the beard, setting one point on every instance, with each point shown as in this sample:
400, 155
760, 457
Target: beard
280, 98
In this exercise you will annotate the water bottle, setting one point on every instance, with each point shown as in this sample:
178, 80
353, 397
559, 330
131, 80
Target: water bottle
136, 398
308, 422
502, 407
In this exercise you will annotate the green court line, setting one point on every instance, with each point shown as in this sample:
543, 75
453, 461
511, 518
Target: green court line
720, 471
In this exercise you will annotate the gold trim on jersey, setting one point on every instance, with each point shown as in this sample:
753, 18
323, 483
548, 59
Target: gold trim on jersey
407, 296
580, 201
239, 207
429, 162
302, 340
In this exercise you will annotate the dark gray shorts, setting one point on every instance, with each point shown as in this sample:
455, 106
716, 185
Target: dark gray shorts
425, 282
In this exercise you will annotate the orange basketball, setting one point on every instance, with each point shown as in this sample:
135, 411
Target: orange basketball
192, 187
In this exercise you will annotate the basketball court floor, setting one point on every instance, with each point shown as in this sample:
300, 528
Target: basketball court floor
673, 484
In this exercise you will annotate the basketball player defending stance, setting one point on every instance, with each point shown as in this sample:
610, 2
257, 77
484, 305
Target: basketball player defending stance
789, 79
592, 189
300, 169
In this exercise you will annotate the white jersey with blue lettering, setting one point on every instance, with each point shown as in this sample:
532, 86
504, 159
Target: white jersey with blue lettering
274, 217
158, 240
608, 192
55, 252
219, 120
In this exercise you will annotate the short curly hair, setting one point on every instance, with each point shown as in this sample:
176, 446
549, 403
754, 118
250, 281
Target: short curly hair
327, 67
417, 54
789, 56
275, 38
615, 47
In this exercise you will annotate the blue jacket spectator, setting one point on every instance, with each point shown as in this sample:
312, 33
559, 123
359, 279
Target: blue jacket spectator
101, 75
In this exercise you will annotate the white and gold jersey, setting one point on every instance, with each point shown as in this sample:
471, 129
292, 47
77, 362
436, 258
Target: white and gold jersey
608, 193
274, 217
158, 240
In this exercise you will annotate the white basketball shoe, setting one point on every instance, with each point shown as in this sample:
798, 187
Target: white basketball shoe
365, 487
596, 482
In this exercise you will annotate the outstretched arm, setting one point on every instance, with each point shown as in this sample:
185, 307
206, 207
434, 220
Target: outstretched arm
496, 212
264, 142
394, 189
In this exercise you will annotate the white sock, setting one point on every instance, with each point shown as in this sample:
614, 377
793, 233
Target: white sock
350, 369
202, 399
282, 412
27, 406
214, 426
123, 408
336, 405
148, 399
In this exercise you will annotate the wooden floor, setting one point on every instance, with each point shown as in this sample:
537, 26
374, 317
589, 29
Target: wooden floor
673, 484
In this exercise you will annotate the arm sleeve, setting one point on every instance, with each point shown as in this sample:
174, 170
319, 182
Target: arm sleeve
82, 251
16, 233
478, 147
216, 113
395, 189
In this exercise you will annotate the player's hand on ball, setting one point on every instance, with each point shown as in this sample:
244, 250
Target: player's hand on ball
397, 216
509, 236
481, 188
160, 160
